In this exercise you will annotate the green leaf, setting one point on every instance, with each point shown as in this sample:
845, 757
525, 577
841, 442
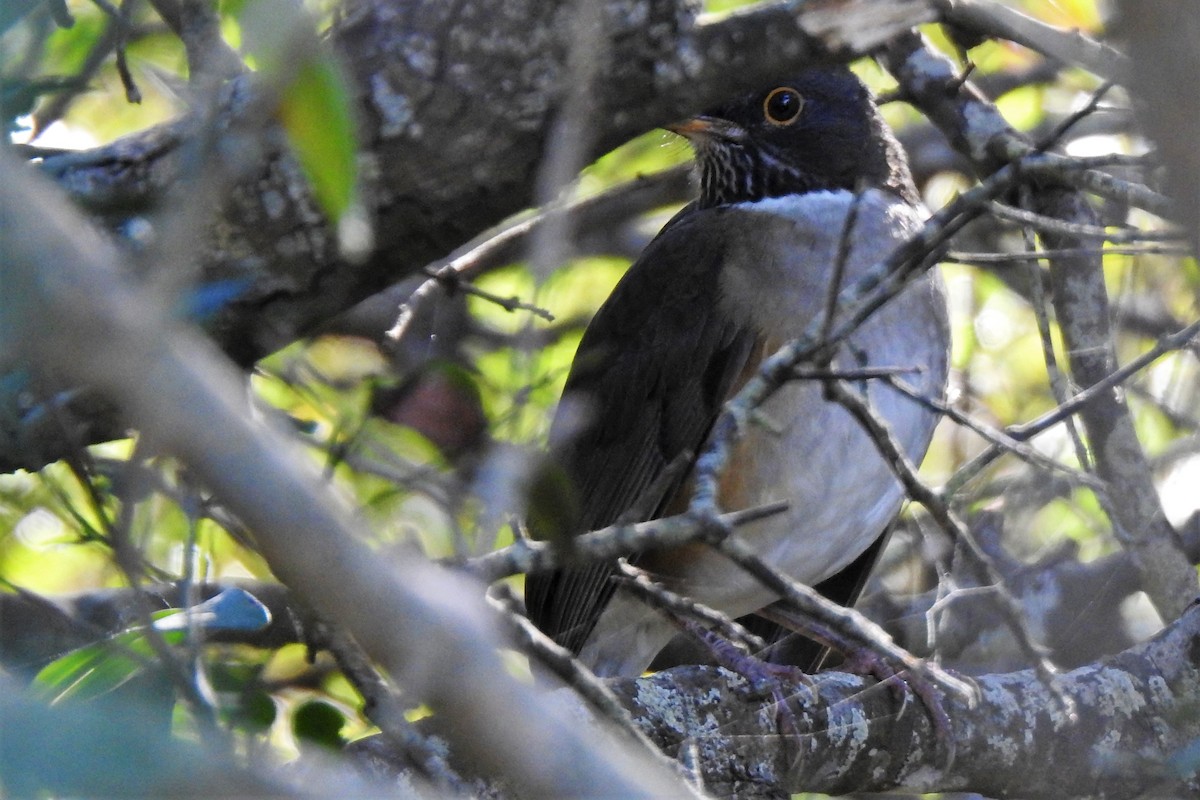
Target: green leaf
315, 112
92, 671
60, 674
97, 669
314, 105
319, 723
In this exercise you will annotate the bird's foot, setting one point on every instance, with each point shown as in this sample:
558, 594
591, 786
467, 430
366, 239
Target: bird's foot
865, 662
780, 682
893, 667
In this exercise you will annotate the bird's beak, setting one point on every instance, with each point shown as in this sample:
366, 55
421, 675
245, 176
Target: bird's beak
705, 127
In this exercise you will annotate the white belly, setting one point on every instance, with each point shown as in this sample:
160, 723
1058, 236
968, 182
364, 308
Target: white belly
840, 491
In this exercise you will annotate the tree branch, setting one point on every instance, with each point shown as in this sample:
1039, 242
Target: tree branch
1081, 302
454, 102
64, 293
853, 735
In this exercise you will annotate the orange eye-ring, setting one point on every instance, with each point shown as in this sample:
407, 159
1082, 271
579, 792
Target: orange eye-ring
783, 105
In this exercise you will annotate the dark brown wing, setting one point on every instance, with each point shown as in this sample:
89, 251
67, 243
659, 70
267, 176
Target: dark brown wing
653, 368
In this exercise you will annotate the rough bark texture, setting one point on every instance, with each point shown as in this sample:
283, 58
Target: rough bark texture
457, 104
457, 101
852, 735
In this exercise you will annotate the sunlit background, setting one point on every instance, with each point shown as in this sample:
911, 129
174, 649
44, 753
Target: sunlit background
366, 411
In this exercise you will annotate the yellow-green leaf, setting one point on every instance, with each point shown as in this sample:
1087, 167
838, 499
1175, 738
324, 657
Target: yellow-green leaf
315, 112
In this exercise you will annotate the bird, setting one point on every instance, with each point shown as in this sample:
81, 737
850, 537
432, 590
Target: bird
800, 184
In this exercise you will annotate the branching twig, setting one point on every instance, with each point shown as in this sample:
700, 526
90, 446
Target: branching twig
845, 624
451, 283
654, 594
1056, 134
1049, 224
1069, 47
528, 555
501, 247
1028, 430
998, 438
563, 664
893, 454
383, 707
1081, 303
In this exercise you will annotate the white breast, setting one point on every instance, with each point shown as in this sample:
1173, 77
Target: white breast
842, 494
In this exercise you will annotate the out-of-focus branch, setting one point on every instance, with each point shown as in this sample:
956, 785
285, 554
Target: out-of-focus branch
67, 309
1166, 68
101, 743
1068, 46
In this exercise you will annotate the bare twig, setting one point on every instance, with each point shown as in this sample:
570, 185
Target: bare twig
998, 438
658, 596
527, 555
1058, 381
1069, 47
1028, 430
844, 625
1081, 303
1047, 224
1056, 134
382, 705
498, 248
893, 454
993, 259
563, 664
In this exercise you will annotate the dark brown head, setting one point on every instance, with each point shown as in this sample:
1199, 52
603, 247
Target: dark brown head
821, 130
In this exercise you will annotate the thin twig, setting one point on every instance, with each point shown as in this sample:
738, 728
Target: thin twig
1057, 133
562, 663
838, 619
451, 282
1026, 431
527, 555
497, 248
1052, 225
1058, 381
991, 259
382, 705
837, 273
995, 436
893, 454
654, 594
861, 299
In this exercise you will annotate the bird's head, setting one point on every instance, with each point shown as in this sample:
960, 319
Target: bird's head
819, 131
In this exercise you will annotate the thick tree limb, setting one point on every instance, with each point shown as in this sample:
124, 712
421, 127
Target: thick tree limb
455, 104
1128, 736
1069, 47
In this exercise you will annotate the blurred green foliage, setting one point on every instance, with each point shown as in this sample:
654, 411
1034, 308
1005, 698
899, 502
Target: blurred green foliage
57, 527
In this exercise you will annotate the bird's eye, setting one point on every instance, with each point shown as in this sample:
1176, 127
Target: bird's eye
782, 106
